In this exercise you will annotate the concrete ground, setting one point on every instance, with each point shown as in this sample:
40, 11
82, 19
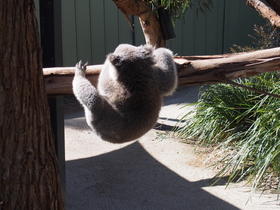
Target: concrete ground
153, 172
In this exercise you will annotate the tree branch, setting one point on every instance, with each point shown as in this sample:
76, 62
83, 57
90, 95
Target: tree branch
265, 11
192, 70
148, 20
252, 89
275, 4
230, 66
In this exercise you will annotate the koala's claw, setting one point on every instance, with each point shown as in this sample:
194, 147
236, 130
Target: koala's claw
81, 67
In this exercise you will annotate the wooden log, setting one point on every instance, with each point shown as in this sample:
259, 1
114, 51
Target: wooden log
59, 80
192, 70
198, 70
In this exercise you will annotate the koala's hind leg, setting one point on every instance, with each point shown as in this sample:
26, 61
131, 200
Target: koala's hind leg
84, 91
166, 70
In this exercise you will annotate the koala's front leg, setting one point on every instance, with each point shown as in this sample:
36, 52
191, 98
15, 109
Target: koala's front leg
84, 91
166, 70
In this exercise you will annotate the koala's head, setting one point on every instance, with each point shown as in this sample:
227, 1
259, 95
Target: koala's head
129, 55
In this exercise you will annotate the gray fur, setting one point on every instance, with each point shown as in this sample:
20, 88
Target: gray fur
129, 94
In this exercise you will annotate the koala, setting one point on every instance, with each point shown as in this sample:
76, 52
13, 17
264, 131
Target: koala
129, 92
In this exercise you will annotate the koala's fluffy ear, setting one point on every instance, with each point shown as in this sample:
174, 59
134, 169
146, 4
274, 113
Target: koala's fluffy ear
147, 50
115, 59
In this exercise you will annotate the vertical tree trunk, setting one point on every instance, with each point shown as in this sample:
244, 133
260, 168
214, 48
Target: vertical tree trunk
275, 4
28, 166
148, 20
151, 29
266, 12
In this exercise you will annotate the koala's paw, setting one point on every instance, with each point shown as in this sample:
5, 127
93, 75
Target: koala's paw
81, 68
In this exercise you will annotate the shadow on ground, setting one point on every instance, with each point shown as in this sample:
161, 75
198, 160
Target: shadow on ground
141, 183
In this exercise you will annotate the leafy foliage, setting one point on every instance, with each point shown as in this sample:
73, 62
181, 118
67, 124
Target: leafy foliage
178, 8
244, 121
265, 37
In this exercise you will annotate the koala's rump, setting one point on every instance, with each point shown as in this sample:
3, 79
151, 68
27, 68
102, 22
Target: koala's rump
128, 121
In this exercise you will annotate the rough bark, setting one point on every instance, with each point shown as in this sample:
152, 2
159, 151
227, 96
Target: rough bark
265, 11
28, 166
59, 80
192, 70
275, 4
148, 20
214, 69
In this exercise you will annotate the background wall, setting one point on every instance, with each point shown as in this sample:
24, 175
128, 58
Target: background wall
93, 28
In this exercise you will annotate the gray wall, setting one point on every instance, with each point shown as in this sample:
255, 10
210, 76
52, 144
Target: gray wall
93, 28
228, 23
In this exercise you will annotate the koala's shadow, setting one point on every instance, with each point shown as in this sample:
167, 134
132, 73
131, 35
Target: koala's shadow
130, 178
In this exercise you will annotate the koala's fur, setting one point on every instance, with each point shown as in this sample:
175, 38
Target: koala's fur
129, 94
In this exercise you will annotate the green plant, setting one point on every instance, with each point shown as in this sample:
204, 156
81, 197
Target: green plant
244, 122
178, 8
264, 37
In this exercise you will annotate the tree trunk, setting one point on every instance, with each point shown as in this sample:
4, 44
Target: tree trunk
148, 20
29, 176
275, 4
192, 70
265, 11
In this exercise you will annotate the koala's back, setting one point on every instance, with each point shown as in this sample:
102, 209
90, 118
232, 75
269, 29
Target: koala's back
134, 103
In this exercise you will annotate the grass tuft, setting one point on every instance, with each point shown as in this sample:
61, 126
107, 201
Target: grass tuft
245, 121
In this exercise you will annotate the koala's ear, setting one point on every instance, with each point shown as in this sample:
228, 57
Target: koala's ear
147, 49
115, 60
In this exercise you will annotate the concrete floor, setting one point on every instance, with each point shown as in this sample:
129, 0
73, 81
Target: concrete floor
154, 172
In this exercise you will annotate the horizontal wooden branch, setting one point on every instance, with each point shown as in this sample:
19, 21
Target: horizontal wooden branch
192, 70
226, 67
59, 80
